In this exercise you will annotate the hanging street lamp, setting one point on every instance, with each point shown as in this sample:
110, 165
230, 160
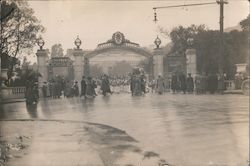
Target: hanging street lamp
157, 42
40, 42
78, 42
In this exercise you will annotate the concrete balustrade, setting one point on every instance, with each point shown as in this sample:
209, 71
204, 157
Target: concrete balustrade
13, 93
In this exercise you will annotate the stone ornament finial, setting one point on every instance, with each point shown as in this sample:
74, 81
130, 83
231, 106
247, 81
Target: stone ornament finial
40, 42
118, 38
157, 42
78, 42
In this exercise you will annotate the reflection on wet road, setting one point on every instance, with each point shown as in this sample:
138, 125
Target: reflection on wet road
184, 129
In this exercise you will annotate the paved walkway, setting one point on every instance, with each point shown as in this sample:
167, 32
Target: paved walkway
180, 129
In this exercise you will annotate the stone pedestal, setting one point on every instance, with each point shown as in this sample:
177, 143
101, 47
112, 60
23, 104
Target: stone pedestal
191, 62
42, 57
158, 62
78, 64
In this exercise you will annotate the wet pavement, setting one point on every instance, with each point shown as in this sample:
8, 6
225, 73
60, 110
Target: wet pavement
180, 129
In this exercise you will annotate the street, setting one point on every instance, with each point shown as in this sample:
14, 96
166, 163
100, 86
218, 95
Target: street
171, 128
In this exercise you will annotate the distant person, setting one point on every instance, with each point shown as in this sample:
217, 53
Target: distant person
89, 88
132, 84
44, 89
76, 88
183, 85
67, 90
143, 84
105, 85
94, 86
190, 83
160, 85
204, 83
137, 86
221, 84
174, 83
83, 86
197, 82
53, 87
212, 83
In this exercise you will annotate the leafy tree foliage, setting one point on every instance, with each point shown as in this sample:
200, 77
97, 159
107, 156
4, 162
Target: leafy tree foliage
23, 73
207, 44
245, 24
20, 29
56, 50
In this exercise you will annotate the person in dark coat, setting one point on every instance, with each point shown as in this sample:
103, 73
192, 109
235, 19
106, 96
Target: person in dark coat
75, 89
198, 82
190, 83
83, 86
89, 88
132, 84
183, 85
174, 83
137, 86
44, 89
160, 86
143, 84
212, 83
204, 83
67, 90
105, 85
221, 84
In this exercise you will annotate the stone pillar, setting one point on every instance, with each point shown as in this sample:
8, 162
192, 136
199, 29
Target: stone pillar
158, 62
191, 62
86, 67
42, 57
78, 64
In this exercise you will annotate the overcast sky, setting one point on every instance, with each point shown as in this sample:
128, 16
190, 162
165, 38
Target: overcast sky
96, 21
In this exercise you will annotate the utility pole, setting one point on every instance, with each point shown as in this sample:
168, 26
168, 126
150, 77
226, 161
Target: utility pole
221, 58
221, 3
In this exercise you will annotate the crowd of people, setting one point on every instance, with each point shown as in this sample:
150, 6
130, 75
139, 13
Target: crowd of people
137, 84
201, 84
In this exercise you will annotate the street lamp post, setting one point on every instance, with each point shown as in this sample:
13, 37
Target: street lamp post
78, 60
221, 59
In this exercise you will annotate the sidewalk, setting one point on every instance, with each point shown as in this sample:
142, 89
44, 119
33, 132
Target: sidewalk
6, 101
238, 91
65, 143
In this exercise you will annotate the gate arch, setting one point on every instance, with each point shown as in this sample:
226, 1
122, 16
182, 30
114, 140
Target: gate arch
117, 42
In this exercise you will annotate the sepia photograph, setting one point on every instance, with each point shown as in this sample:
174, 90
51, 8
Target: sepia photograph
124, 82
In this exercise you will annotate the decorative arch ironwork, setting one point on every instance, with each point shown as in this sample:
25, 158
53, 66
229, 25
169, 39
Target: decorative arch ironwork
61, 62
118, 42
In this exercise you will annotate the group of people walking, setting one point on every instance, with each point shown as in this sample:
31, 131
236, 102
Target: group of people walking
138, 84
201, 84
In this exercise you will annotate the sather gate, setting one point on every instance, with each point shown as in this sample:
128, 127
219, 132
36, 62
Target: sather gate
120, 43
81, 65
